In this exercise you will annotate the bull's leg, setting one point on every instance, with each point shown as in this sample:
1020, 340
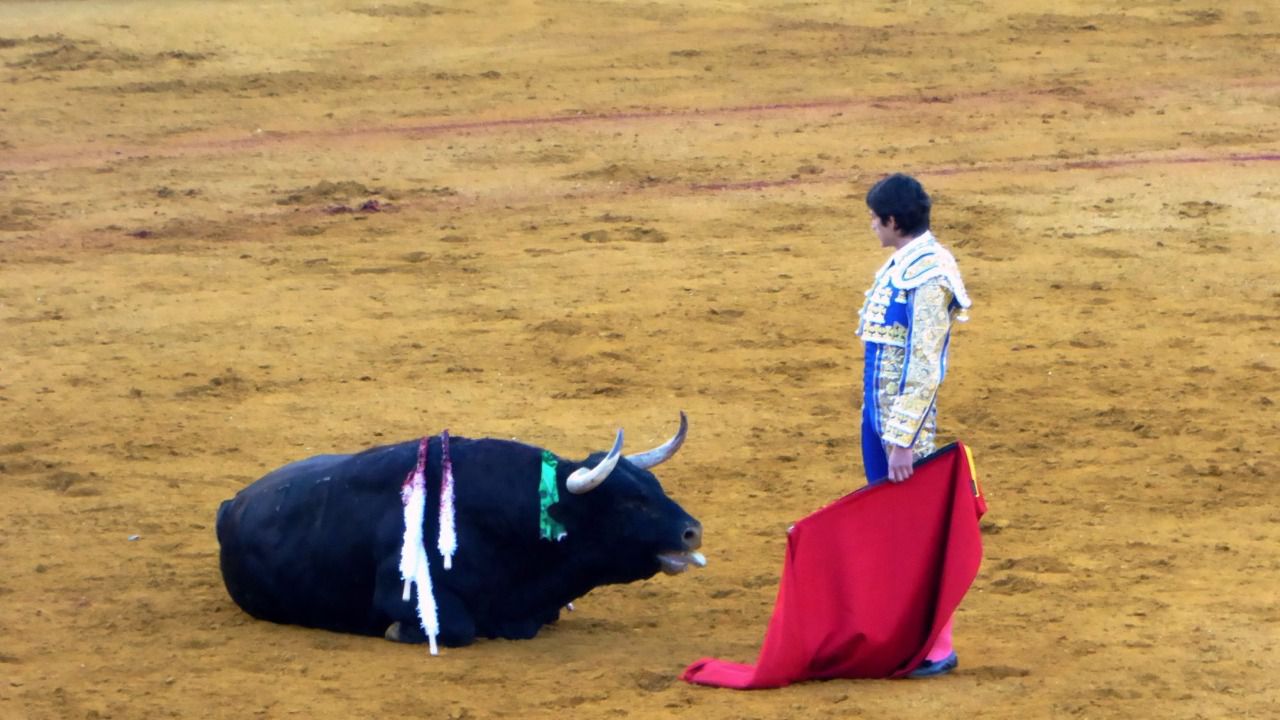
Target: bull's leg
520, 614
516, 629
526, 628
457, 628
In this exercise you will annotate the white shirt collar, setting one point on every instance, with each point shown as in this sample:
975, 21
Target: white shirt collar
922, 239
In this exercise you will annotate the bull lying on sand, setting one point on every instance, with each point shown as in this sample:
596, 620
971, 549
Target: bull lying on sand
318, 542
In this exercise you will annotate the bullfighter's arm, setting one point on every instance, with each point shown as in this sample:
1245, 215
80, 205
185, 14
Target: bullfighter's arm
930, 322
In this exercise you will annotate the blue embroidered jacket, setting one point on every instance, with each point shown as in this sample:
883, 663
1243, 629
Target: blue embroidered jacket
905, 323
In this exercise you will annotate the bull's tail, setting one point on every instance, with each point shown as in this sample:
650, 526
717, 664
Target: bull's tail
232, 560
220, 523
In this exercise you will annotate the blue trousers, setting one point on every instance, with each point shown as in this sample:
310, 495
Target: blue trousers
874, 459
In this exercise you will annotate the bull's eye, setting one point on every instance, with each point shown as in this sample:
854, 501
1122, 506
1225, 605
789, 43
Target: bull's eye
632, 503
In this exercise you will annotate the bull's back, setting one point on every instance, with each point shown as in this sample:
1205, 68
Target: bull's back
297, 546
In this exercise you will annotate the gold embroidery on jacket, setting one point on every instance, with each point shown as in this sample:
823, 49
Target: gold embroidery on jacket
895, 334
906, 405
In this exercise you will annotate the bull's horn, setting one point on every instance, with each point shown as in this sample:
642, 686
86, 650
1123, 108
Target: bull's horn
586, 479
663, 452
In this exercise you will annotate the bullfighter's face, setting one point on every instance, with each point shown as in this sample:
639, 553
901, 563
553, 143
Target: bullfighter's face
886, 230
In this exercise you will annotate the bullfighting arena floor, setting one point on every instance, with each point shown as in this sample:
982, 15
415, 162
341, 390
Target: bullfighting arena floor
236, 234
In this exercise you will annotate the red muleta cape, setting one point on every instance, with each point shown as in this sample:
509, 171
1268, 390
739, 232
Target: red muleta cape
869, 580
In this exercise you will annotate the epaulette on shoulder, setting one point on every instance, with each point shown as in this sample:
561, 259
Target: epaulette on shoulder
921, 267
932, 262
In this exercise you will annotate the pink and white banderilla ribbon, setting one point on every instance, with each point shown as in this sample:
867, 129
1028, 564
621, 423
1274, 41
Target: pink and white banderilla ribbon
415, 567
447, 541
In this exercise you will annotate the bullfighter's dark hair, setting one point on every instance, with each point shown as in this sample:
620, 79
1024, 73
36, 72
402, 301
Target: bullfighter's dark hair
903, 198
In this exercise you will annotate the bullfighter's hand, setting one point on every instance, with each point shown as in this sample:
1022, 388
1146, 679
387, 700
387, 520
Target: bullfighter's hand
900, 466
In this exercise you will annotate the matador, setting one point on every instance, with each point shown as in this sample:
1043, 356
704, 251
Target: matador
905, 323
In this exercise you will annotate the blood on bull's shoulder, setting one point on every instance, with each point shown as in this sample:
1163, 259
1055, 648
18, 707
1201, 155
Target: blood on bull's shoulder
509, 535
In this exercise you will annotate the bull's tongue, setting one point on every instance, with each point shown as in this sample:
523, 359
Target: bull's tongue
674, 563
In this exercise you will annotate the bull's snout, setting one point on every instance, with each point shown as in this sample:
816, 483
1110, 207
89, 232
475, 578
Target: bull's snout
692, 535
675, 562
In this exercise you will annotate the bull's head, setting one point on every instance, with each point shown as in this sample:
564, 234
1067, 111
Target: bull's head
629, 518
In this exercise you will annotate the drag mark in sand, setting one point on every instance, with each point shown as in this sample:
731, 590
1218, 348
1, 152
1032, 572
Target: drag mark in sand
1025, 166
50, 158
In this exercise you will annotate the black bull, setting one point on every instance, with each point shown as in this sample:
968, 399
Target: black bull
318, 542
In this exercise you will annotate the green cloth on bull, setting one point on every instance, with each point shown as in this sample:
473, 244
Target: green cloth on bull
548, 495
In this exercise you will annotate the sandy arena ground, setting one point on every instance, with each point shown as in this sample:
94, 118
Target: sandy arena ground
595, 214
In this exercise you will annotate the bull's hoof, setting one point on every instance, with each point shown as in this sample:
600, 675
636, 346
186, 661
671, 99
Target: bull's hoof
400, 632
